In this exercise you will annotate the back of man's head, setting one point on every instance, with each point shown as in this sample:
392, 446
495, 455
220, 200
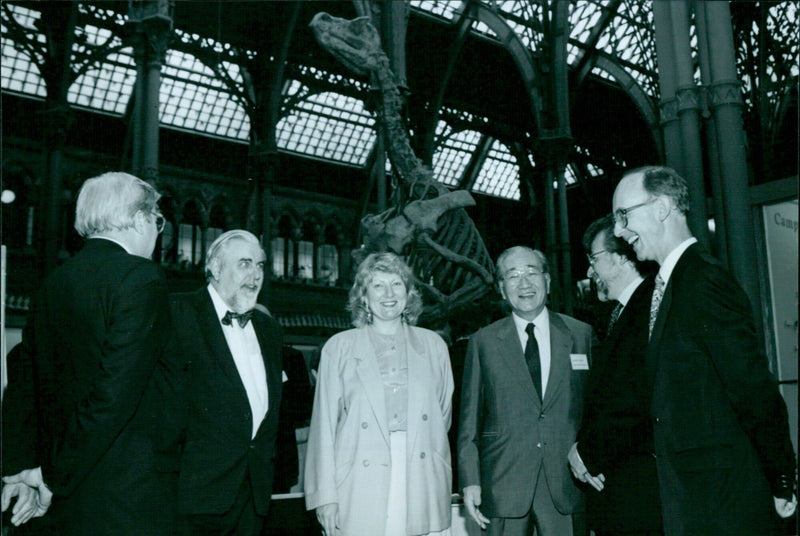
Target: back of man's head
109, 202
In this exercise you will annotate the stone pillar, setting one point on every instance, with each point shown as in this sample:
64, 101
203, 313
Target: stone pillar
720, 248
153, 19
725, 102
58, 25
687, 96
668, 106
680, 106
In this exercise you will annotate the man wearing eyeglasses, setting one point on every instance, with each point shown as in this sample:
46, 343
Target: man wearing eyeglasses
614, 448
724, 458
521, 407
95, 336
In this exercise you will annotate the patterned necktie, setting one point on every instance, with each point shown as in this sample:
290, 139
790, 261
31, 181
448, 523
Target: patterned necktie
658, 293
614, 317
533, 360
242, 318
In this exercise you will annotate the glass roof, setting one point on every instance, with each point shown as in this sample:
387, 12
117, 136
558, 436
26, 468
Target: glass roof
453, 152
211, 98
499, 175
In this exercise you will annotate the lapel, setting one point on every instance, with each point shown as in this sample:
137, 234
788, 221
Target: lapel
370, 377
560, 364
655, 345
510, 352
274, 374
419, 380
211, 331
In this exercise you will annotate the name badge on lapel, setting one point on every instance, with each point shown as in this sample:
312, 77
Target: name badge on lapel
579, 361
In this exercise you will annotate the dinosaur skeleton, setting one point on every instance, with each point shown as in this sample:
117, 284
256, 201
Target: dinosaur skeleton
433, 230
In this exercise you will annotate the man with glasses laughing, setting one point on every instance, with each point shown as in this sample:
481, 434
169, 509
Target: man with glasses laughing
521, 407
614, 449
721, 435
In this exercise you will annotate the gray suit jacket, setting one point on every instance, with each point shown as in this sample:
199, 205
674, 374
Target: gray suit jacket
505, 432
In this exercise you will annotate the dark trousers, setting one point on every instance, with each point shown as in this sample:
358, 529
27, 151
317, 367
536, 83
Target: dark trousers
240, 520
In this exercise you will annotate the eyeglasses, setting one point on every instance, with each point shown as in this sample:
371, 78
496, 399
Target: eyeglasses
514, 277
160, 222
621, 214
592, 257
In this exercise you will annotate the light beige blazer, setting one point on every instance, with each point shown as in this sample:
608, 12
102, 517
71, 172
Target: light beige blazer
348, 455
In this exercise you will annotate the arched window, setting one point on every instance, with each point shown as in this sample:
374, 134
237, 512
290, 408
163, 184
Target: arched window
283, 249
190, 236
305, 251
328, 258
216, 225
166, 250
18, 206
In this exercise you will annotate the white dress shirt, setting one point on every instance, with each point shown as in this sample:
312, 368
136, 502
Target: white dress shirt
541, 331
246, 352
665, 271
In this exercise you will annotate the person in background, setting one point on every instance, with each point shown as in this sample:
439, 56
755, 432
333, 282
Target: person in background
230, 394
614, 448
95, 338
378, 458
721, 433
521, 406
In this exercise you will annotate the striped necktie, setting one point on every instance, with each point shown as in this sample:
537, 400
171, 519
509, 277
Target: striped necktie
658, 293
614, 317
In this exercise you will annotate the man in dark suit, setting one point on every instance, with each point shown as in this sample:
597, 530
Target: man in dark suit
95, 337
725, 461
614, 448
231, 393
521, 406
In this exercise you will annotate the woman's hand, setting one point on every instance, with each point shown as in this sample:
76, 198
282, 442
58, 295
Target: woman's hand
328, 517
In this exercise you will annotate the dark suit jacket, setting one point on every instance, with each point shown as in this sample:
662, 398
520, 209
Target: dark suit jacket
95, 337
721, 431
218, 451
505, 431
616, 437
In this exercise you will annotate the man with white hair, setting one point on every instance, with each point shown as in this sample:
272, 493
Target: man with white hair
231, 393
95, 335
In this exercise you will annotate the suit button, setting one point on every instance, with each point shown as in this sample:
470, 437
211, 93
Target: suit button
252, 446
365, 463
422, 455
539, 445
658, 420
364, 425
424, 416
541, 416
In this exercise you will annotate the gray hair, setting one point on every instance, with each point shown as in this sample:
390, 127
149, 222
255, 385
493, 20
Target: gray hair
216, 247
662, 180
109, 202
541, 257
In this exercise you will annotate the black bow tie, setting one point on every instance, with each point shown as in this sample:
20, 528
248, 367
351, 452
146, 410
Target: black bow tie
242, 318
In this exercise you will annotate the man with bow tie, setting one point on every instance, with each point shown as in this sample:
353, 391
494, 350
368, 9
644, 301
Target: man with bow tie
228, 355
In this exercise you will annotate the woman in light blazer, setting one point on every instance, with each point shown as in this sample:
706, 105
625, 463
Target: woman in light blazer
378, 459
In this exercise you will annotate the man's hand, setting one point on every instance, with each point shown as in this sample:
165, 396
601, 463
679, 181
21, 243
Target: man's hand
328, 516
472, 500
33, 496
580, 472
785, 508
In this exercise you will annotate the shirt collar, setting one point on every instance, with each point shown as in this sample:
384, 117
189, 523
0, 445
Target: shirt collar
672, 259
219, 304
626, 294
120, 244
541, 320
